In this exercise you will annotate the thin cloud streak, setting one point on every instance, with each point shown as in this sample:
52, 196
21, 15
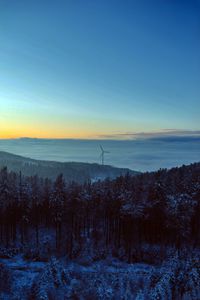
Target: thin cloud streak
165, 133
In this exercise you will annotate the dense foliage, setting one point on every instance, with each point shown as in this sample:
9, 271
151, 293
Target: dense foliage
120, 216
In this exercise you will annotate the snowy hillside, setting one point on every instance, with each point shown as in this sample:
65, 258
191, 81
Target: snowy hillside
177, 278
72, 171
133, 237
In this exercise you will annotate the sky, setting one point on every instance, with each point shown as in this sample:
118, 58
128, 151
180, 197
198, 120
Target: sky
99, 69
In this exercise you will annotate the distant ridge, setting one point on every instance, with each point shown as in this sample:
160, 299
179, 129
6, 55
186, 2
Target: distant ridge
72, 171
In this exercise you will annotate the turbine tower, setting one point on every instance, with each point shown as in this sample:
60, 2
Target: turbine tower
102, 154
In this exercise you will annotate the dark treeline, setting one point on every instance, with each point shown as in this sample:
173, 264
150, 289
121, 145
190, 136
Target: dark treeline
158, 208
72, 171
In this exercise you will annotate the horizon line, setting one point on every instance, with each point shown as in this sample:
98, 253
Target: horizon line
128, 135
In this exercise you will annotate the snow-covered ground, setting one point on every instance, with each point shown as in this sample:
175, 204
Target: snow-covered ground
61, 279
104, 278
23, 272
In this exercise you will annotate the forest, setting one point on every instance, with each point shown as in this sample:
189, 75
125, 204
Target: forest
72, 171
139, 219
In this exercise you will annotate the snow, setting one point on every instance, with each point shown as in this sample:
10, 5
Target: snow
102, 278
175, 278
23, 273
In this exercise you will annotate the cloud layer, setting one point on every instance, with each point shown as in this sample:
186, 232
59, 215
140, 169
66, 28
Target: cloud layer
163, 134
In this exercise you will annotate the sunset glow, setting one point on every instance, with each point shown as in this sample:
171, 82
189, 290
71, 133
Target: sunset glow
90, 73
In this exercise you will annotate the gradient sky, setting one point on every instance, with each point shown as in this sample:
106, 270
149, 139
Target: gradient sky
89, 69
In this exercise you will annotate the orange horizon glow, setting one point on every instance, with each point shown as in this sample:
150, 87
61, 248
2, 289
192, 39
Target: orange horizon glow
45, 135
89, 135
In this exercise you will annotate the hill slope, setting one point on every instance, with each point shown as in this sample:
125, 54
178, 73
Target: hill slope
72, 171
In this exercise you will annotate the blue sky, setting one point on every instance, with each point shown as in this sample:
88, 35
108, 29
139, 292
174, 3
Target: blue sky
87, 69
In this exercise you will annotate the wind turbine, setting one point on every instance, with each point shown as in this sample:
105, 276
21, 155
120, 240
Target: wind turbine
102, 154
